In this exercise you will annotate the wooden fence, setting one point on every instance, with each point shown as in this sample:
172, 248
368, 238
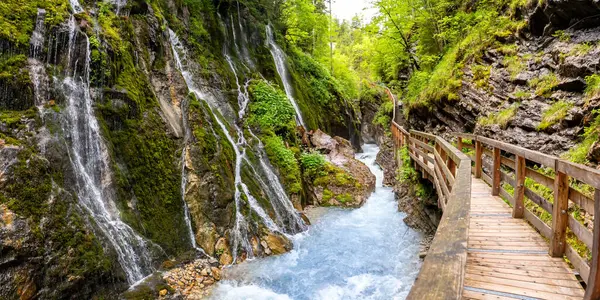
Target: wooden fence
442, 273
512, 165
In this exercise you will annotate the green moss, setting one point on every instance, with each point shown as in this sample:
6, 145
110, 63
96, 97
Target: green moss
514, 64
501, 118
592, 89
147, 172
481, 75
555, 113
17, 18
562, 36
343, 198
591, 134
508, 49
76, 253
285, 160
543, 85
383, 117
522, 94
406, 173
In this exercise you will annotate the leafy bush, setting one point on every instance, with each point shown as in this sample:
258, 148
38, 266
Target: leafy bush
501, 118
312, 163
554, 114
270, 108
285, 160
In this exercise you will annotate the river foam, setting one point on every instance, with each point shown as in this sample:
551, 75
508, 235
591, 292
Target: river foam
365, 253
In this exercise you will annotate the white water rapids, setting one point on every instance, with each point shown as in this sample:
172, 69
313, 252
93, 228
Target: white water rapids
365, 253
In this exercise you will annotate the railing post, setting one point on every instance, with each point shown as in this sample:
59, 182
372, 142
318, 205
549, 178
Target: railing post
559, 213
592, 291
520, 169
478, 159
459, 144
496, 173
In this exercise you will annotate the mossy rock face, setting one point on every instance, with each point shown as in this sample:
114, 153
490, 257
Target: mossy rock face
50, 248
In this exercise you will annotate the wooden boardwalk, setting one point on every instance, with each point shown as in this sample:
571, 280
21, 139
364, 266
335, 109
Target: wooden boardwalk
507, 258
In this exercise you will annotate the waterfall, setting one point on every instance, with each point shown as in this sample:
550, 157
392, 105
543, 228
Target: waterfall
286, 214
241, 229
90, 160
37, 71
76, 6
280, 65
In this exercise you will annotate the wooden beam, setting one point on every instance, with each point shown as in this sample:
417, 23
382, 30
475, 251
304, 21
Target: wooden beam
592, 292
478, 159
519, 206
496, 172
459, 143
559, 215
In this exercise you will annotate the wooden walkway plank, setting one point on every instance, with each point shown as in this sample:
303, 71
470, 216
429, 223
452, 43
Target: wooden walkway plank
507, 258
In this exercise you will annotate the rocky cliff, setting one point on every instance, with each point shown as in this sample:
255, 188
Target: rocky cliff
133, 132
537, 88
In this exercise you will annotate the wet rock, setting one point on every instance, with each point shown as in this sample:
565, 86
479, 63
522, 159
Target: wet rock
571, 85
223, 251
386, 160
594, 152
277, 243
345, 180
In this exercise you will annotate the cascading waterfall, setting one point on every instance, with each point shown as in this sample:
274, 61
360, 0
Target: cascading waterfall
90, 161
280, 65
365, 253
37, 71
287, 216
241, 229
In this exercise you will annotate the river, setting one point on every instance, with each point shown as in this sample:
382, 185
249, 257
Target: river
364, 253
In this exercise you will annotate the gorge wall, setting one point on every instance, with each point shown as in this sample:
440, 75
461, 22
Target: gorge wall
536, 88
137, 132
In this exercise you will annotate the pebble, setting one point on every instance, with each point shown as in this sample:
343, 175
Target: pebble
193, 281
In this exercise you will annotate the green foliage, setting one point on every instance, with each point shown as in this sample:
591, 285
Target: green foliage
581, 49
508, 49
543, 85
312, 163
270, 108
514, 65
591, 134
555, 113
285, 160
593, 86
501, 118
383, 117
522, 94
32, 190
481, 75
147, 172
17, 18
406, 173
562, 36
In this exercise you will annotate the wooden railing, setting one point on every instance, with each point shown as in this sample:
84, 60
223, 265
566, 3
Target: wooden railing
442, 273
511, 165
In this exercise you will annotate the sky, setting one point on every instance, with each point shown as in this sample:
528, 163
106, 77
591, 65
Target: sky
346, 9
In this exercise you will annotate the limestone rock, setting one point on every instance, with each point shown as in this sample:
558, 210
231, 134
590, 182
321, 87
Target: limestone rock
345, 181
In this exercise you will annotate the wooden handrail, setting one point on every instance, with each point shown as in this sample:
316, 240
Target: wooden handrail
563, 193
443, 271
